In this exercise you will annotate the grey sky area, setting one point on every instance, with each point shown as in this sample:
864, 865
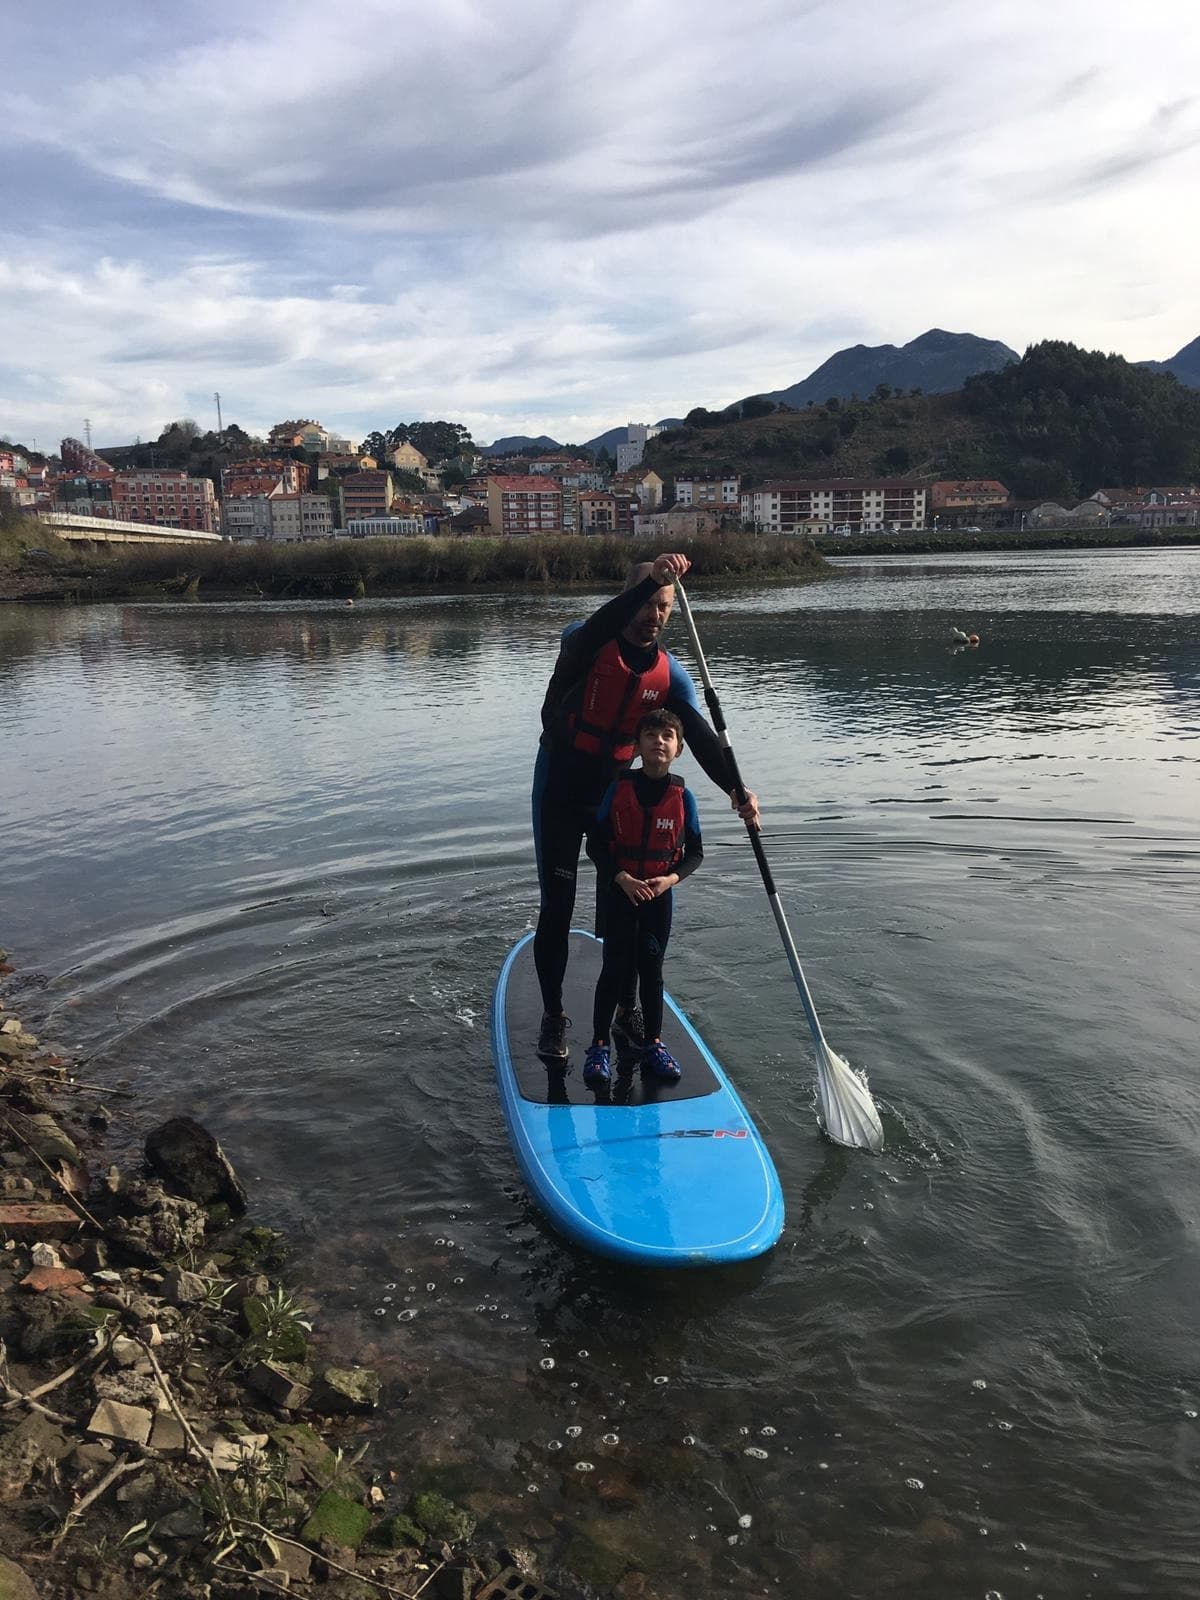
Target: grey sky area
553, 217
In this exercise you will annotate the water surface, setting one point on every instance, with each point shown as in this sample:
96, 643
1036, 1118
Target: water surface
271, 857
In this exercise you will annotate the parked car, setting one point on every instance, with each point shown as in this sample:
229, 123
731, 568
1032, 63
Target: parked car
843, 531
972, 529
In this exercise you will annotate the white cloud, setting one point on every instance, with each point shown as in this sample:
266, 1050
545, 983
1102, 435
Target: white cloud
542, 218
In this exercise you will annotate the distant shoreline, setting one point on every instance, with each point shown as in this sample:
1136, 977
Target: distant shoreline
956, 542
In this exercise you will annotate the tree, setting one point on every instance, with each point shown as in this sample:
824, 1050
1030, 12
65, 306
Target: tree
437, 441
757, 406
375, 444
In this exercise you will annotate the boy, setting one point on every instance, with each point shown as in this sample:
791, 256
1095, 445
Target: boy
646, 840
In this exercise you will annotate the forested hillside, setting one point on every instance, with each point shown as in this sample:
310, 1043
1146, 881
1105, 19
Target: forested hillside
1059, 423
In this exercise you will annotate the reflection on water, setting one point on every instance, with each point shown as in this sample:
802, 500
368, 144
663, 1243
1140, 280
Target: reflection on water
274, 855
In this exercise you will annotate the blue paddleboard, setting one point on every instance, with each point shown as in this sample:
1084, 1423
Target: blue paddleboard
668, 1175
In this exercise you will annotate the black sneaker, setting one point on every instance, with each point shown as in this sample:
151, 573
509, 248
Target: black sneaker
629, 1029
552, 1040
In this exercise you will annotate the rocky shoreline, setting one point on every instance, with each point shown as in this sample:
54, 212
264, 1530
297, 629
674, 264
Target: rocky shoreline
169, 1421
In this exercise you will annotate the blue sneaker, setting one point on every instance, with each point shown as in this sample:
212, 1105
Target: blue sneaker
596, 1068
658, 1061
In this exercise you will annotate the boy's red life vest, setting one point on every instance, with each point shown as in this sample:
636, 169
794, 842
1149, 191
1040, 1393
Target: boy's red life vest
614, 701
647, 841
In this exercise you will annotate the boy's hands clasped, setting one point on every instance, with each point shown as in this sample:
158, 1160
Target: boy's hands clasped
639, 890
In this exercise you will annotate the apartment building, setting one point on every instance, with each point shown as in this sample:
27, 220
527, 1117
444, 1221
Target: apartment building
709, 490
819, 506
366, 494
166, 497
611, 512
518, 505
246, 516
643, 483
631, 448
408, 525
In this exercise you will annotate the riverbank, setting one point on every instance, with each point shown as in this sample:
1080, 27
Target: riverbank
349, 569
171, 1420
956, 542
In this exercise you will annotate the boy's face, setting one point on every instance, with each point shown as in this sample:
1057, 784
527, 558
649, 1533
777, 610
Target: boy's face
658, 747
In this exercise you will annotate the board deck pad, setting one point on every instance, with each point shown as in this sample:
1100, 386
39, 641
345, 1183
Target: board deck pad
661, 1175
551, 1085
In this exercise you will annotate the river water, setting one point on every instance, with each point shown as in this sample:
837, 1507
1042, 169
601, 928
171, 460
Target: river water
270, 858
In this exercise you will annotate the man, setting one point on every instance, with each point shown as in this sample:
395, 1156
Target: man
610, 671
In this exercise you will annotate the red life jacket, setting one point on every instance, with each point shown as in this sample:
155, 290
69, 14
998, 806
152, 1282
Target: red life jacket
614, 701
647, 841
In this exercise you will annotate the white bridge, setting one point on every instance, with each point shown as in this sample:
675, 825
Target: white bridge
107, 530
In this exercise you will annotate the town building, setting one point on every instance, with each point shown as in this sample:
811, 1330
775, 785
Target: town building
835, 505
709, 490
81, 460
607, 511
524, 504
631, 449
407, 458
966, 494
410, 525
246, 516
167, 497
680, 522
264, 475
366, 494
330, 461
643, 483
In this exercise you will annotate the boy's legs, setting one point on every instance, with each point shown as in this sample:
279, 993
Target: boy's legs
620, 936
654, 930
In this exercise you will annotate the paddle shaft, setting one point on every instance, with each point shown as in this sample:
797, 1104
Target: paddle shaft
713, 702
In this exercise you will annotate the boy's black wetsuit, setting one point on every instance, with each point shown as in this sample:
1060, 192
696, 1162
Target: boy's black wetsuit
569, 784
635, 936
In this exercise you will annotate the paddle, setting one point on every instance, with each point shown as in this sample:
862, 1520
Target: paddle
847, 1109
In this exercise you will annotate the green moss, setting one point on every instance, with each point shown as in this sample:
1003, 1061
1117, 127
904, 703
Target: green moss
335, 1517
396, 1533
441, 1517
308, 1453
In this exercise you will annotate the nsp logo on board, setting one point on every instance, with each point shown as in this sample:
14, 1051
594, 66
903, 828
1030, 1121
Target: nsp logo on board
706, 1133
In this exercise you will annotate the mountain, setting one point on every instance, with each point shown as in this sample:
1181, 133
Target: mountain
937, 363
520, 441
615, 436
1185, 365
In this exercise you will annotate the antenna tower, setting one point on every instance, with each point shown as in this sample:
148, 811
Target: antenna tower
217, 398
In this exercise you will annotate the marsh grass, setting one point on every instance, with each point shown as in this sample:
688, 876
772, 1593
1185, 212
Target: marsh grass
350, 568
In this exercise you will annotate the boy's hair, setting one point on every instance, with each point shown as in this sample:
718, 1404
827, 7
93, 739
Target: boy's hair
660, 717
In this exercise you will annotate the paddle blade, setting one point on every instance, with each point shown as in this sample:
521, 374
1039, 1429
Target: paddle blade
847, 1109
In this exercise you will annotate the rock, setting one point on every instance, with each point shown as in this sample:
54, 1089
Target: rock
337, 1519
34, 1440
167, 1437
45, 1255
14, 1584
10, 1050
128, 1354
456, 1581
64, 1280
92, 1460
54, 1325
230, 1454
186, 1523
397, 1533
295, 1561
257, 1284
193, 1163
183, 1288
45, 1135
129, 1389
99, 1117
308, 1456
162, 1227
141, 1560
280, 1386
441, 1518
130, 1424
31, 1220
11, 1027
339, 1391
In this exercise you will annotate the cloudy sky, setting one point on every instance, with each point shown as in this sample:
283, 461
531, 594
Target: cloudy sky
558, 215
